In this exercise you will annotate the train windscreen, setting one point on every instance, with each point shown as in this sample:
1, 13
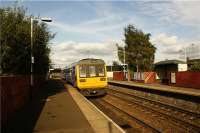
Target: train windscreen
82, 70
101, 71
91, 71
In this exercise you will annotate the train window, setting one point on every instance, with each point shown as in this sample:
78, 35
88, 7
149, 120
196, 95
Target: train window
101, 71
92, 71
82, 70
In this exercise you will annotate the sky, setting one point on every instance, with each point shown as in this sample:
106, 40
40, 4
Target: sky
91, 29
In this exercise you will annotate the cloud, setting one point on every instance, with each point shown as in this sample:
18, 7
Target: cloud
94, 26
173, 25
172, 47
164, 39
188, 12
68, 52
99, 20
168, 46
172, 51
183, 12
193, 51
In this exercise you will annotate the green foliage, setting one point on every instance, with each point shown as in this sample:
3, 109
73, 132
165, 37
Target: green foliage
115, 63
195, 67
114, 68
15, 43
139, 50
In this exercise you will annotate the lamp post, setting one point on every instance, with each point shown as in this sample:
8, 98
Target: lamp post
32, 56
124, 63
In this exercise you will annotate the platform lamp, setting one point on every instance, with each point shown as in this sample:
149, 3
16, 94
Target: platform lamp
45, 19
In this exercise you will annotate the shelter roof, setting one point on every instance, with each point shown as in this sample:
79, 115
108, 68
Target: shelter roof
167, 62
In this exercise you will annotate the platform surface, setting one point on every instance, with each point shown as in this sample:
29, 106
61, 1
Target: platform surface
97, 119
166, 88
60, 109
52, 111
61, 114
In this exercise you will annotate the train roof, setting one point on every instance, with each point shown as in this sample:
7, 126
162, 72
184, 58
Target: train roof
88, 61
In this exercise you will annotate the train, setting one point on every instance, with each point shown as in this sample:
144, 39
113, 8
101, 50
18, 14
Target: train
89, 76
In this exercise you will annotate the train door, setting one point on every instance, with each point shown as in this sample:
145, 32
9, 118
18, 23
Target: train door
73, 76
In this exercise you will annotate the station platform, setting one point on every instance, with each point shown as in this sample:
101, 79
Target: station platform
61, 114
60, 108
99, 122
70, 112
159, 87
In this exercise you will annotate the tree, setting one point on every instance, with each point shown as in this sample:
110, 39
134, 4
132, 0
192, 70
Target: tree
139, 52
16, 45
115, 63
195, 67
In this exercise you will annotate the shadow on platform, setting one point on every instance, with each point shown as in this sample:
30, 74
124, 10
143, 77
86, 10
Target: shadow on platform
25, 119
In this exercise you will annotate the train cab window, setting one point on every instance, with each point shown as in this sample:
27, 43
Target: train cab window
82, 70
92, 71
101, 71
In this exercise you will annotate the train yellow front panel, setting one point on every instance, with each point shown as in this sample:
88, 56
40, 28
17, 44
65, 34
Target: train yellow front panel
92, 82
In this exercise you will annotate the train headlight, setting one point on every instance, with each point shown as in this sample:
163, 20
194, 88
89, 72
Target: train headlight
82, 80
102, 79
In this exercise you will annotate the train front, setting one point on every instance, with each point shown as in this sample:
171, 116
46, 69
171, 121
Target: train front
91, 77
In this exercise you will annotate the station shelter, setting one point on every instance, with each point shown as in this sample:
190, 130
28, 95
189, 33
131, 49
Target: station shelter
167, 69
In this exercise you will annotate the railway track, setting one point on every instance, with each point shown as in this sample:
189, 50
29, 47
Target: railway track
126, 121
184, 102
191, 118
147, 114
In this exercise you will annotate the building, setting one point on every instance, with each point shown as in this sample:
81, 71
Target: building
166, 70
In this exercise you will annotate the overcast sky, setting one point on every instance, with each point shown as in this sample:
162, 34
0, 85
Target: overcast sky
91, 29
